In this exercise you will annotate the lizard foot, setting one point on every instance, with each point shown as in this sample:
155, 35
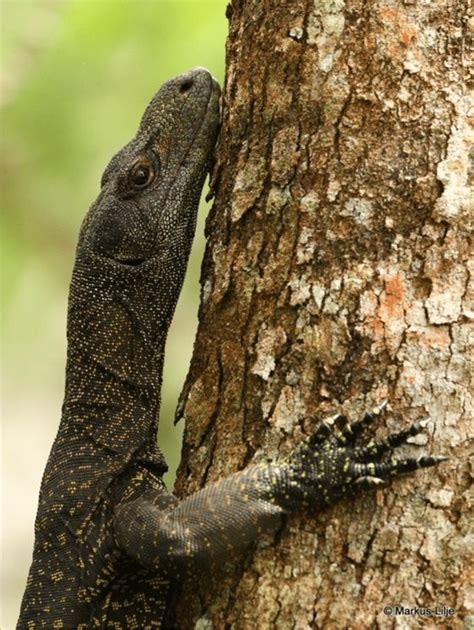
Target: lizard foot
331, 465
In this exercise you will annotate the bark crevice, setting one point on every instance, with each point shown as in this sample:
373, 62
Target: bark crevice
336, 276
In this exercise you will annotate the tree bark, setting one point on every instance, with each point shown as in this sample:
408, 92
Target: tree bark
335, 276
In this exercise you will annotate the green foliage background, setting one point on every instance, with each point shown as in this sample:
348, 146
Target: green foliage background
76, 77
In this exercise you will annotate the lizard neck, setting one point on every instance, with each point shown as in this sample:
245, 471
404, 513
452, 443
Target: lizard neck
117, 328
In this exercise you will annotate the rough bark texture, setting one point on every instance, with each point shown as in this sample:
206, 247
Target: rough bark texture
335, 276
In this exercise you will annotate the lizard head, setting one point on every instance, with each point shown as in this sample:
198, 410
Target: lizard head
150, 190
135, 240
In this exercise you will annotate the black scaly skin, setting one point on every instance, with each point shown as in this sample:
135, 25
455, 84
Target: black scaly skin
108, 536
225, 517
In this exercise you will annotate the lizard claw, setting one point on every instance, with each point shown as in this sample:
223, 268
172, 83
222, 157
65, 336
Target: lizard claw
368, 482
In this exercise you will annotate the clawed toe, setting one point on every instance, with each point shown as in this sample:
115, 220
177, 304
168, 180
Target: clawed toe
393, 467
363, 463
338, 430
376, 448
368, 482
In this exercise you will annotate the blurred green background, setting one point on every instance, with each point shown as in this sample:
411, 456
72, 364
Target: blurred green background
76, 77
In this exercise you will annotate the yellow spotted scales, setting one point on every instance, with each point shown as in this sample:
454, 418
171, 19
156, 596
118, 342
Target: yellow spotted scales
109, 538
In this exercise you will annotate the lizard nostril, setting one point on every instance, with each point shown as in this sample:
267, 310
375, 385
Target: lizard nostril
185, 86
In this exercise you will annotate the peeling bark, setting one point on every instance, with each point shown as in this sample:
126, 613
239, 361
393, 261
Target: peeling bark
335, 276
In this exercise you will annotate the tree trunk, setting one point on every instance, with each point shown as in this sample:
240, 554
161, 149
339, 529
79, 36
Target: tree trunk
335, 276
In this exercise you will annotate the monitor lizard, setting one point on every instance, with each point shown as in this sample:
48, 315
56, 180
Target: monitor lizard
109, 538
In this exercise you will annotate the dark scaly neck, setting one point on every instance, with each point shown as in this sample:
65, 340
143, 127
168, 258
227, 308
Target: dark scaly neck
118, 320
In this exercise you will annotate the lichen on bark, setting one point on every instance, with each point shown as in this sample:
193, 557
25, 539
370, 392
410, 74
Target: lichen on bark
335, 276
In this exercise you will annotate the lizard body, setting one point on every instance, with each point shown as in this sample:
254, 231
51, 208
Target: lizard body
108, 536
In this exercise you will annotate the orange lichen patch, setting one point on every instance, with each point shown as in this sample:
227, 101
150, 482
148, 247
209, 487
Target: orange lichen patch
403, 30
407, 34
391, 311
432, 337
389, 13
391, 300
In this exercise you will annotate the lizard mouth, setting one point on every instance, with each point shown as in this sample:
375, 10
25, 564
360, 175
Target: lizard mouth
202, 117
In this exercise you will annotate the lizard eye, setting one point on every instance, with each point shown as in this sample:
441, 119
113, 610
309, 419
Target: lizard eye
142, 173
